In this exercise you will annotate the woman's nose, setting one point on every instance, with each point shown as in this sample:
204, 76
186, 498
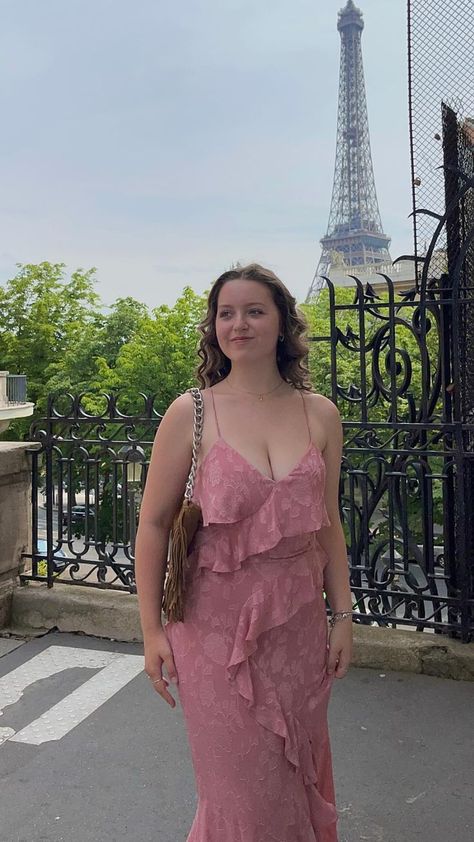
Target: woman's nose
240, 323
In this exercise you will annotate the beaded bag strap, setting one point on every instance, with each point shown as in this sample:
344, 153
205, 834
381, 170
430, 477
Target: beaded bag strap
198, 422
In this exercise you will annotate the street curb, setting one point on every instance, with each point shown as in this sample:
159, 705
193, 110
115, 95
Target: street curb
98, 612
36, 609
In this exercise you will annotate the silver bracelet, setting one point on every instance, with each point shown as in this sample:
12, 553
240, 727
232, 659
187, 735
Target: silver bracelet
339, 615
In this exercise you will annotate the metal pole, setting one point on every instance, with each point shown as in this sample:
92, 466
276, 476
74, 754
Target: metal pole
133, 522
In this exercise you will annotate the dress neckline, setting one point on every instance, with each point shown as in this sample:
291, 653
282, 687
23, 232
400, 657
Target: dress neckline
265, 477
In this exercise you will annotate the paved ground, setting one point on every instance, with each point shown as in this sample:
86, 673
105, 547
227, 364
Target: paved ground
402, 747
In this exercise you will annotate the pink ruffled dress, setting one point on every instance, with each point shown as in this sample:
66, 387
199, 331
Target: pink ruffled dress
251, 653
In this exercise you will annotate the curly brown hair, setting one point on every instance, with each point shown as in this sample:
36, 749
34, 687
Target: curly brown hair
292, 352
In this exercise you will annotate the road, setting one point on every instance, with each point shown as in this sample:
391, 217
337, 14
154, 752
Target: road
92, 754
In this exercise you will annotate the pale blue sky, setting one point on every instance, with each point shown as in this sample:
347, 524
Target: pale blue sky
161, 142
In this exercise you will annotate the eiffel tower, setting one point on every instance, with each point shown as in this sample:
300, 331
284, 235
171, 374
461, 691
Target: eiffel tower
354, 234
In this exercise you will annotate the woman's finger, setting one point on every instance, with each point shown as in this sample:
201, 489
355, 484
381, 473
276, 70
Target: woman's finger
170, 668
161, 686
343, 662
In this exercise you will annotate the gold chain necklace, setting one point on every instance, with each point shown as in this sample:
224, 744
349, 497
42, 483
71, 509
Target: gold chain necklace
260, 395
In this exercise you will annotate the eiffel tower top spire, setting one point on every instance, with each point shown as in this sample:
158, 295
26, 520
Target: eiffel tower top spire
350, 15
354, 234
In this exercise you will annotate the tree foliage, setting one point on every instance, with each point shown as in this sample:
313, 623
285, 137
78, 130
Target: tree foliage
160, 358
56, 330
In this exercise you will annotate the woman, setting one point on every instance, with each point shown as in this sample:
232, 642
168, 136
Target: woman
254, 659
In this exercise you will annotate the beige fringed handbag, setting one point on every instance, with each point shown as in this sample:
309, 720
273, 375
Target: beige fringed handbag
185, 524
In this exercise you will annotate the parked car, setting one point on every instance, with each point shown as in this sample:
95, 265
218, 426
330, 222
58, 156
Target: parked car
77, 514
59, 565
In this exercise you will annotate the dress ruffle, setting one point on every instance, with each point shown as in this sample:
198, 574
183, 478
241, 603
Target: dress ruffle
281, 515
272, 605
226, 551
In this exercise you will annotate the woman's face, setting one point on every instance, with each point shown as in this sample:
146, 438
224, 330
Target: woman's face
246, 308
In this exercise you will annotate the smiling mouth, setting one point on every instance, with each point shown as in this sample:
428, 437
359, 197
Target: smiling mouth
241, 339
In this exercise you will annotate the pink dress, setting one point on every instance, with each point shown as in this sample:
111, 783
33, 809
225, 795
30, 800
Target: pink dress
251, 653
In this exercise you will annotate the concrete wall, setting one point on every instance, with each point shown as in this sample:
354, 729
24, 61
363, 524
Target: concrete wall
3, 388
15, 518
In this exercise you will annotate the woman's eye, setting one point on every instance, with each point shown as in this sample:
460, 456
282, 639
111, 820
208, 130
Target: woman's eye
224, 313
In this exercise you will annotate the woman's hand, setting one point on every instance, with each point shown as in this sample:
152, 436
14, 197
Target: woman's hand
340, 648
158, 652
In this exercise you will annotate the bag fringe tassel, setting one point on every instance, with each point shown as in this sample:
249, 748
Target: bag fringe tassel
182, 531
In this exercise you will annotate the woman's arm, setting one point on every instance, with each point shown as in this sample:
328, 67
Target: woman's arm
331, 538
164, 490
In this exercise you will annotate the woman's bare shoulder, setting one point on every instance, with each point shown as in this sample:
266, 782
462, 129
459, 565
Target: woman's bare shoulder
325, 412
181, 405
175, 430
179, 415
322, 402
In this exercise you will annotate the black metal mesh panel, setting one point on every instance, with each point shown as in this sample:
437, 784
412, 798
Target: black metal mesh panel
440, 43
458, 146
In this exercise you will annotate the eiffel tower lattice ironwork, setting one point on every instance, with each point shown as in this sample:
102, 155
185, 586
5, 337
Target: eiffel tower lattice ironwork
354, 234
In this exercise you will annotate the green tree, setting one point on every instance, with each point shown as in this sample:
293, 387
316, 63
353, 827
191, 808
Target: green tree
88, 364
120, 325
56, 330
42, 316
160, 357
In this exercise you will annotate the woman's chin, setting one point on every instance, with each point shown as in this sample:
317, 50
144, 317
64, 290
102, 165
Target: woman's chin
237, 348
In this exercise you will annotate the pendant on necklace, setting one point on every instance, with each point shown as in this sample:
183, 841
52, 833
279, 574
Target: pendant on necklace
260, 397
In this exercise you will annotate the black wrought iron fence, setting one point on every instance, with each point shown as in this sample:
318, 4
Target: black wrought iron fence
407, 459
405, 472
88, 478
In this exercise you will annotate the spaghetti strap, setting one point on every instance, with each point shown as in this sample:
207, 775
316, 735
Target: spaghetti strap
215, 413
306, 416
